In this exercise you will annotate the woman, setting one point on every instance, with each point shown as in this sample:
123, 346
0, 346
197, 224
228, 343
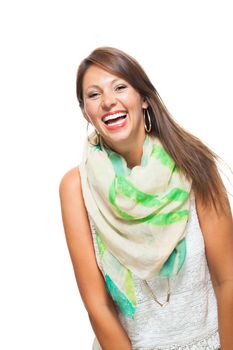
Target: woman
147, 219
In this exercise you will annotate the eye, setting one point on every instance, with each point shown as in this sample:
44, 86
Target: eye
93, 95
120, 87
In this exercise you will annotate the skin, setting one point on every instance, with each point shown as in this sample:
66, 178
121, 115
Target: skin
109, 95
218, 236
112, 93
90, 281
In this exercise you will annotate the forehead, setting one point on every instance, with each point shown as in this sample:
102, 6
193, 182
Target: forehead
96, 76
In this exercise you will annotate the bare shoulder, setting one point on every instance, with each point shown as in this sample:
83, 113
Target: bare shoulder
80, 243
70, 181
72, 203
217, 230
74, 213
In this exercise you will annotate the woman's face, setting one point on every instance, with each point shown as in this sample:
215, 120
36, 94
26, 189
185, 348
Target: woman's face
112, 105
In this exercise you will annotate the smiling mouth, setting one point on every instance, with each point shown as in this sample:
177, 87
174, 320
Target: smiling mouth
114, 118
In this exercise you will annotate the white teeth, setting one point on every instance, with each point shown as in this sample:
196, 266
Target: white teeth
113, 116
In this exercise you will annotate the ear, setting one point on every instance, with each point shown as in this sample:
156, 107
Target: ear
145, 104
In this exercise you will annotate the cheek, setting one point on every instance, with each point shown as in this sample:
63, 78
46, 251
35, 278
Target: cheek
135, 104
133, 99
91, 109
127, 99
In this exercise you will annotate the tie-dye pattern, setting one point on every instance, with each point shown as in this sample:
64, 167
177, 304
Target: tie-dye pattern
139, 216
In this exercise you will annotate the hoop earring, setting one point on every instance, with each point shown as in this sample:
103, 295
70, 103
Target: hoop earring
95, 138
145, 111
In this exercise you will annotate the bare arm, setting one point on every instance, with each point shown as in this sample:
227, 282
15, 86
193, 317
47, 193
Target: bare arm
218, 237
98, 303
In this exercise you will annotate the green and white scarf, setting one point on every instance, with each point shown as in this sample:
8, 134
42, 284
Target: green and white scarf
139, 215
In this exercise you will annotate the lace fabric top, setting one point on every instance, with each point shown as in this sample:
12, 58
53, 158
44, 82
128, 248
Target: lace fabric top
189, 321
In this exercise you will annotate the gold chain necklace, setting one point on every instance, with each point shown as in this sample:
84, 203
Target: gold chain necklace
154, 296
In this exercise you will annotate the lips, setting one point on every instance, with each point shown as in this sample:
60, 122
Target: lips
116, 124
113, 116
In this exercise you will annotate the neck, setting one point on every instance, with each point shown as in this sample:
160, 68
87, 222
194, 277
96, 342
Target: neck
132, 151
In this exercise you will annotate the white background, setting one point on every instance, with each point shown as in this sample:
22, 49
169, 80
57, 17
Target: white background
184, 46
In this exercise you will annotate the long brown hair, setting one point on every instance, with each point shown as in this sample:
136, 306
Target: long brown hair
191, 155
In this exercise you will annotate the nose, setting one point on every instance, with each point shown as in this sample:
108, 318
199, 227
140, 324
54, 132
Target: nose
108, 100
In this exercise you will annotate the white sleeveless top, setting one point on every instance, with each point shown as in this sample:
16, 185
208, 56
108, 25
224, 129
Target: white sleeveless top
189, 321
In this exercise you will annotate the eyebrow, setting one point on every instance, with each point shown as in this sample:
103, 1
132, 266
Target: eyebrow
97, 86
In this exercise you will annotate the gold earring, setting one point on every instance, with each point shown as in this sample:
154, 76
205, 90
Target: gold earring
145, 111
94, 137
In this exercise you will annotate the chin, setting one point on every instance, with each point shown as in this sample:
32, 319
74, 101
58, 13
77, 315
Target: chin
120, 137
